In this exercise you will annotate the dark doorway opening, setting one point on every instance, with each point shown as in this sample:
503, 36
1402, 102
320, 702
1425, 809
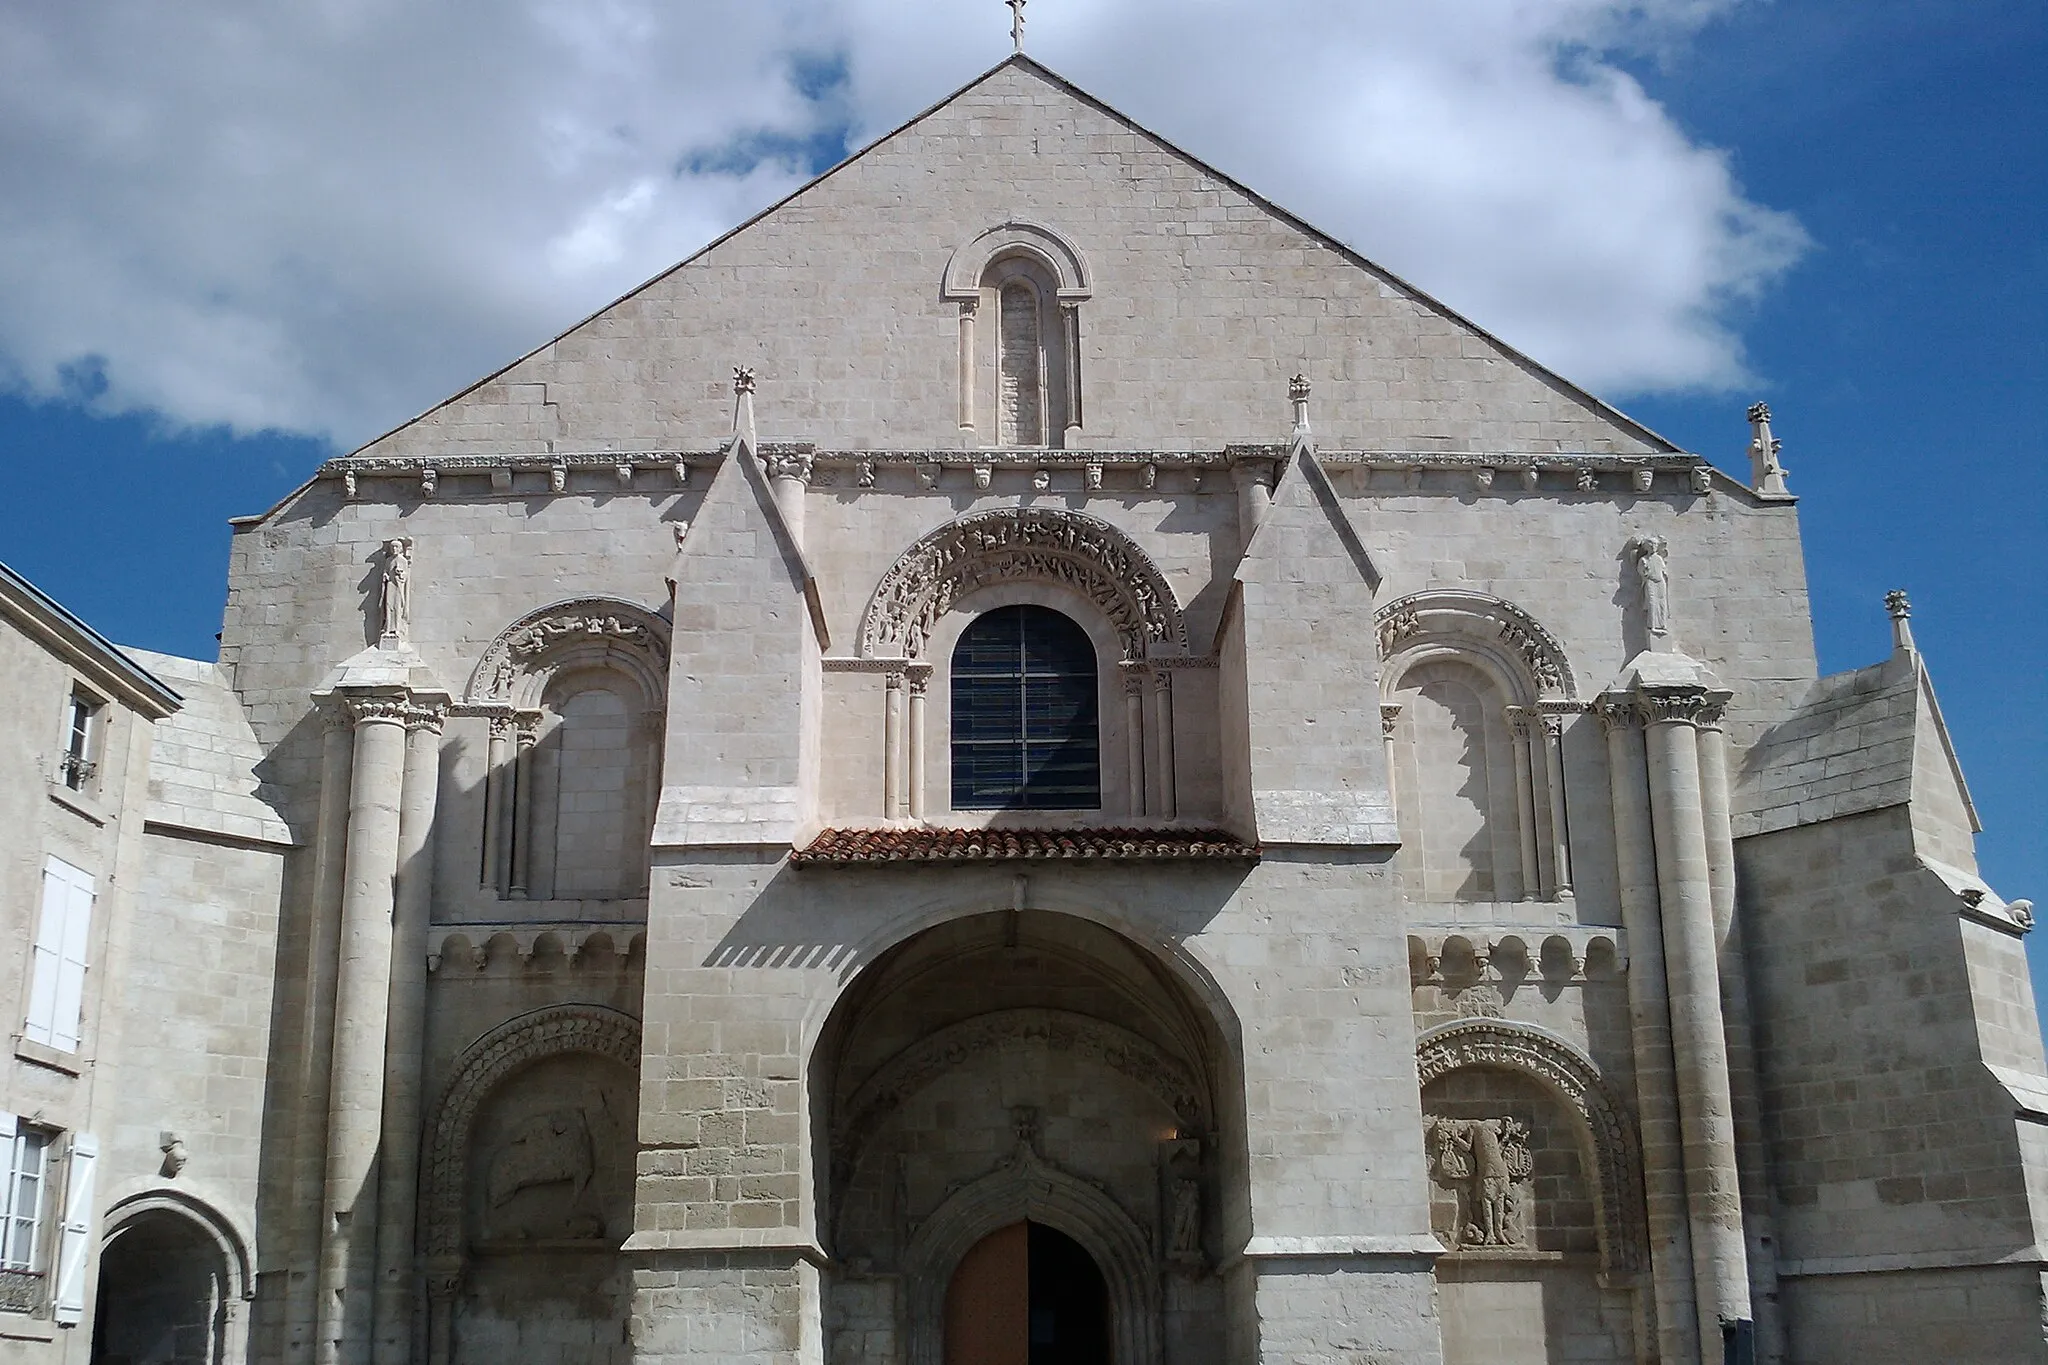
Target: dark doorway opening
163, 1295
1027, 1294
1069, 1302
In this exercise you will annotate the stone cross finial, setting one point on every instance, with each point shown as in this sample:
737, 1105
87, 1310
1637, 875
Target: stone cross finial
1766, 475
1016, 23
1901, 610
1297, 394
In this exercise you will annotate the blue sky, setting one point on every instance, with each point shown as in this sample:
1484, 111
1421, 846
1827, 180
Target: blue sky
235, 245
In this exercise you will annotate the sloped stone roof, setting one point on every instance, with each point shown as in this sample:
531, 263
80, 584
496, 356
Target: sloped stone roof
851, 847
202, 767
1847, 748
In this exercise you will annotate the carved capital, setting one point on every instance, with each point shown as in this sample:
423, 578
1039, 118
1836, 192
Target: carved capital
378, 709
1252, 471
1697, 706
1617, 711
788, 464
1390, 718
426, 715
1518, 722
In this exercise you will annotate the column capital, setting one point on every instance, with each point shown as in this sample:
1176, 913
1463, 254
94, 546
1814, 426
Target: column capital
1701, 707
428, 714
788, 464
1519, 718
1252, 471
382, 708
1390, 716
1617, 712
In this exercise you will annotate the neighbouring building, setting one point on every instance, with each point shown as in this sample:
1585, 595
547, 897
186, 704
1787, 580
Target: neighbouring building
1025, 758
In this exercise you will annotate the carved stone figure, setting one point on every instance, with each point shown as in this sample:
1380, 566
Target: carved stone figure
396, 594
549, 1149
1651, 555
1487, 1163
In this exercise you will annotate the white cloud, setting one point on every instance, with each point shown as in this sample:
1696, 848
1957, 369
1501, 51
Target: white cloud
323, 217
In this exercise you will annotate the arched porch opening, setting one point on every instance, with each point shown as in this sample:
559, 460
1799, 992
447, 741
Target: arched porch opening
1024, 1066
172, 1284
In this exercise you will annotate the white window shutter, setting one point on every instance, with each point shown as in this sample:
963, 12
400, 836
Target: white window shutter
74, 1239
72, 953
48, 951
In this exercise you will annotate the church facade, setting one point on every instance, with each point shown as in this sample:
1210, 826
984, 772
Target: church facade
1027, 758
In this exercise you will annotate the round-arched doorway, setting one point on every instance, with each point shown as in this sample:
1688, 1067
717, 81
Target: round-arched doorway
1027, 1294
167, 1294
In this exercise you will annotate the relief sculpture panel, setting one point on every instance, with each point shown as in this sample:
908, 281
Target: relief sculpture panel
1486, 1165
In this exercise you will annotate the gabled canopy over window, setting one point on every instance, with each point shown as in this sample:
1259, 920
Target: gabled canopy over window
1025, 734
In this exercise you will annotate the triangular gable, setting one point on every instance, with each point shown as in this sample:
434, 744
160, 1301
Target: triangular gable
741, 469
1303, 483
1574, 395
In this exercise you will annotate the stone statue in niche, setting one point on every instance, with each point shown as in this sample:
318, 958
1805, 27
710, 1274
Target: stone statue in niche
1180, 1188
395, 597
1653, 568
549, 1149
1486, 1163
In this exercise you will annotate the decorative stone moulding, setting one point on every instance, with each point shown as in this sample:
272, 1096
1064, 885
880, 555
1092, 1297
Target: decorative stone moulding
1606, 1129
869, 847
1565, 954
1060, 257
1023, 544
1101, 470
515, 668
473, 947
1473, 622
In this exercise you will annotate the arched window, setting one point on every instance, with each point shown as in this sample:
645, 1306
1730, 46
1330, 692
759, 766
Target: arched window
1025, 733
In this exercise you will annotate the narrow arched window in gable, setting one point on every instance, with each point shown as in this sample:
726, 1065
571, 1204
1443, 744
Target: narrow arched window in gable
1025, 725
1020, 367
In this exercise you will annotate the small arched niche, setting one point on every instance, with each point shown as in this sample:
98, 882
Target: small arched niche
1475, 695
1020, 372
575, 695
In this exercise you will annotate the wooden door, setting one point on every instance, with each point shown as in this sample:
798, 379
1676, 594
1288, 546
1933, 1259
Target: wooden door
988, 1304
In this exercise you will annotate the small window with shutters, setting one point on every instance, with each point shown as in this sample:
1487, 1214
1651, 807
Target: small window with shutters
25, 1207
1025, 731
57, 972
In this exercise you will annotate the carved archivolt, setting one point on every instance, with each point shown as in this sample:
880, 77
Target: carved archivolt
1609, 1133
1013, 544
1169, 1078
516, 668
1473, 619
488, 1063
